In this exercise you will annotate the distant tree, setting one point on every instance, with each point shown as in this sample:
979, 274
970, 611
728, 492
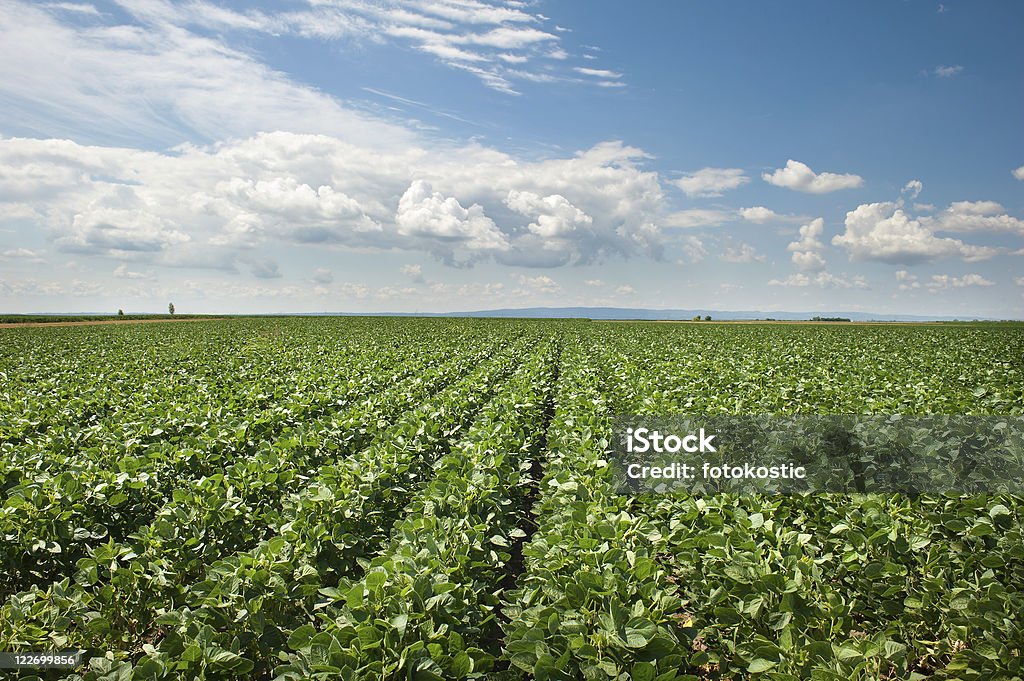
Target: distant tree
170, 308
707, 318
120, 312
696, 318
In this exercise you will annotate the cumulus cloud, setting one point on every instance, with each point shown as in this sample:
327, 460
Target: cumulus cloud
424, 213
799, 177
711, 181
759, 214
884, 232
414, 272
940, 282
807, 249
1019, 173
555, 216
210, 204
104, 229
1019, 281
538, 284
741, 253
913, 189
284, 203
974, 216
907, 281
693, 248
821, 280
809, 261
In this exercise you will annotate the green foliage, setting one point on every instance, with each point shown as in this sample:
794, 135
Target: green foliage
431, 499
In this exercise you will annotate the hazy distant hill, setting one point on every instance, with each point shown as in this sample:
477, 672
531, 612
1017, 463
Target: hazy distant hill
649, 314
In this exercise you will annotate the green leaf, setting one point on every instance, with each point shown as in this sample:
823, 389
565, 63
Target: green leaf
760, 665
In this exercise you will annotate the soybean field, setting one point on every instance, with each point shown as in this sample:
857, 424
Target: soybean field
400, 498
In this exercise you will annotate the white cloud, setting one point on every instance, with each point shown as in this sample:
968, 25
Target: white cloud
884, 232
158, 79
913, 189
101, 228
200, 206
414, 272
943, 71
698, 217
807, 250
821, 280
808, 261
599, 73
940, 282
809, 237
1019, 281
625, 290
759, 214
741, 253
155, 82
555, 216
1019, 173
422, 212
907, 280
594, 282
24, 254
974, 216
122, 272
538, 284
75, 7
799, 177
285, 203
712, 217
693, 248
711, 181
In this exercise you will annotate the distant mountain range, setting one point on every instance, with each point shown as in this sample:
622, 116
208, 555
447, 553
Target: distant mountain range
670, 315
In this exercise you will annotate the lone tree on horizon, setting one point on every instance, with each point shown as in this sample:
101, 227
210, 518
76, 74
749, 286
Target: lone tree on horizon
170, 308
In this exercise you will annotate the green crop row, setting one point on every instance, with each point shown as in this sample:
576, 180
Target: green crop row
433, 499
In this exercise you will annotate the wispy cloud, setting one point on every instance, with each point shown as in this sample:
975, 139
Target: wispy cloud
948, 71
711, 181
80, 8
476, 37
599, 73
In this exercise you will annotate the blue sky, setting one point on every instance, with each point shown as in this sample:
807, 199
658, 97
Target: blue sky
310, 155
